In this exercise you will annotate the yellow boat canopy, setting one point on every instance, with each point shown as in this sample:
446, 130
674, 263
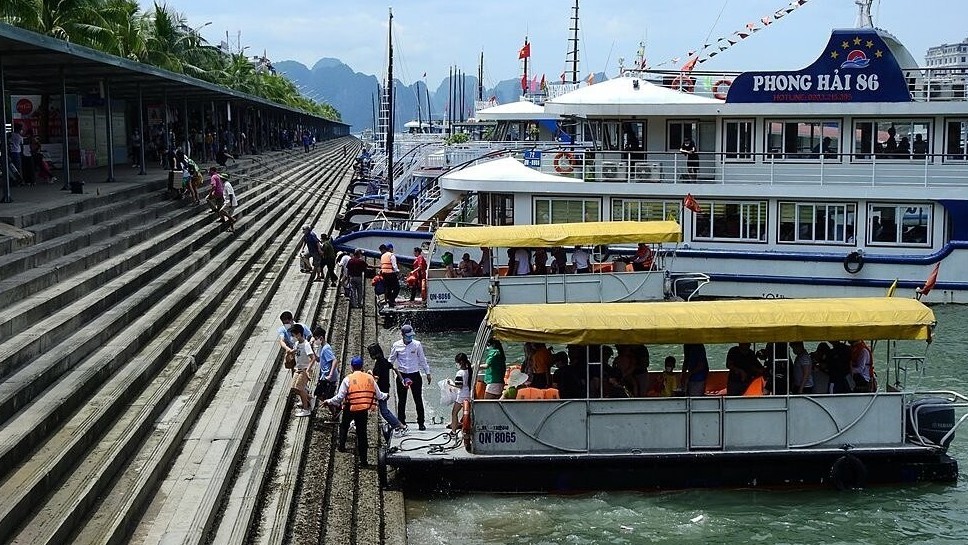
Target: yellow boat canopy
560, 234
714, 322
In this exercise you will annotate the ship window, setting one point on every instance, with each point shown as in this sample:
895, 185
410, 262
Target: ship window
821, 223
738, 140
644, 210
791, 139
956, 140
566, 210
679, 130
743, 221
495, 209
908, 224
898, 139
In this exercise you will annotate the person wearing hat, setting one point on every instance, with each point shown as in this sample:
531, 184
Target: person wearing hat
358, 393
315, 249
391, 275
408, 356
517, 379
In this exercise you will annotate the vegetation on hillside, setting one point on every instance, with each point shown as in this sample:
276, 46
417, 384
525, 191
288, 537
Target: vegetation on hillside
160, 37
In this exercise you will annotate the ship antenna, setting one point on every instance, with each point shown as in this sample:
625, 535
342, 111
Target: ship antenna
864, 18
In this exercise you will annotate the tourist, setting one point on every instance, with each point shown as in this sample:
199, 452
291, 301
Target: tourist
136, 148
861, 366
382, 368
743, 368
357, 394
419, 272
581, 259
304, 357
485, 267
559, 263
315, 249
494, 366
342, 259
223, 156
516, 379
408, 356
230, 204
467, 268
695, 368
216, 191
540, 365
15, 143
688, 149
522, 262
462, 382
668, 381
644, 258
328, 370
355, 270
540, 261
802, 369
286, 340
391, 275
328, 259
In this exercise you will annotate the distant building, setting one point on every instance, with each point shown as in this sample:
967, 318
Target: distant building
953, 57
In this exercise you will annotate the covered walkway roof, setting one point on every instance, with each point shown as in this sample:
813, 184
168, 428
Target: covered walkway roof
35, 64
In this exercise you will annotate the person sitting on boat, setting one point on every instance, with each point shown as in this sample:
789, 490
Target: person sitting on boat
644, 259
494, 365
668, 382
448, 260
538, 364
821, 373
743, 368
467, 268
861, 366
559, 263
632, 362
802, 369
484, 267
516, 380
582, 260
838, 364
540, 261
695, 369
566, 378
688, 148
519, 262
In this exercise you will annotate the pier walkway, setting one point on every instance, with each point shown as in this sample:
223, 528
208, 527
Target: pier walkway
142, 397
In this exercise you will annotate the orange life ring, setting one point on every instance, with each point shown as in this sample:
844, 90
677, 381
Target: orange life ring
684, 84
465, 425
721, 95
565, 162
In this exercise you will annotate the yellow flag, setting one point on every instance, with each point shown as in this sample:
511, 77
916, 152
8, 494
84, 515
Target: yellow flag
892, 289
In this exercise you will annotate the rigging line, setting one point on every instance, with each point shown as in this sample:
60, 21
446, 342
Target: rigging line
712, 29
608, 58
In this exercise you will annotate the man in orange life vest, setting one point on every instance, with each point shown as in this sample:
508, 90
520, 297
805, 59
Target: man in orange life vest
359, 392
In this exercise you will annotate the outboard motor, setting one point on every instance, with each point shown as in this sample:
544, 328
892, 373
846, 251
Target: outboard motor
933, 421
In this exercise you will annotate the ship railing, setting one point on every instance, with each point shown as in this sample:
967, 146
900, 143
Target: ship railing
771, 168
937, 84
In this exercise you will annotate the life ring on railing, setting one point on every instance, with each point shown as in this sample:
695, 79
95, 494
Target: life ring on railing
717, 92
854, 262
465, 425
565, 162
848, 473
684, 84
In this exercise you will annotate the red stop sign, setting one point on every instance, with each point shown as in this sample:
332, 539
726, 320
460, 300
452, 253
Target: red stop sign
25, 106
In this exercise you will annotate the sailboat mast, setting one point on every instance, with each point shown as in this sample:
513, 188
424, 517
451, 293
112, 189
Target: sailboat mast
480, 78
389, 151
430, 113
574, 44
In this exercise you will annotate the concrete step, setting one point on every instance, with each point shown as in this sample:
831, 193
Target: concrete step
194, 326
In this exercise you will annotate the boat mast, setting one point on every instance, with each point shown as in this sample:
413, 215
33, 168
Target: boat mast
430, 113
864, 18
524, 79
389, 141
574, 44
480, 78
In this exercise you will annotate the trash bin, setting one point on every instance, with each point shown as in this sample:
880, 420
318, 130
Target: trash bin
77, 187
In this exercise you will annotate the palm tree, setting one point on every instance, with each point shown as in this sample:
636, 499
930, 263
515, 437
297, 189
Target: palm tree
129, 29
77, 21
175, 46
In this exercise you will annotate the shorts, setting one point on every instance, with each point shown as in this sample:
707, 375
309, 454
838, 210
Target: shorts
317, 261
228, 209
299, 380
496, 388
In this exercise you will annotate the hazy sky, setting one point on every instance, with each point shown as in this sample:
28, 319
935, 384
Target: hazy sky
432, 35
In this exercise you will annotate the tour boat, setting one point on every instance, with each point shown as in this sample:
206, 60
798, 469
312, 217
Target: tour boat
592, 442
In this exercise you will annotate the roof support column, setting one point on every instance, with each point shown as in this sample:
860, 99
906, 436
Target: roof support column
201, 153
110, 128
186, 143
145, 134
65, 133
167, 129
7, 197
238, 131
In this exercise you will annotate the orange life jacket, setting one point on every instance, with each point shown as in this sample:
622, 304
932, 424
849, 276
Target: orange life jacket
362, 391
530, 393
386, 265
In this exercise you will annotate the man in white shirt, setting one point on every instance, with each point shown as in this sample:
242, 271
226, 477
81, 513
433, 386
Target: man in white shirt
229, 204
407, 355
581, 259
305, 358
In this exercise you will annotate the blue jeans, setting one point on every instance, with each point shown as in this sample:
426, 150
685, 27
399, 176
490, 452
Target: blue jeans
388, 416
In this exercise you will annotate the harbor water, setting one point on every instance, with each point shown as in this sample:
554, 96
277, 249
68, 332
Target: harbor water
880, 515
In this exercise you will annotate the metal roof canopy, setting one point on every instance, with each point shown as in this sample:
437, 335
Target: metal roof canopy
34, 64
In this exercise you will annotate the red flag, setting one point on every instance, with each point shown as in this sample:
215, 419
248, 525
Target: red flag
524, 82
690, 203
525, 51
932, 279
690, 64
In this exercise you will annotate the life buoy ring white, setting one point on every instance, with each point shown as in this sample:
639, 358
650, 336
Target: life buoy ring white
684, 84
565, 162
466, 425
854, 262
720, 93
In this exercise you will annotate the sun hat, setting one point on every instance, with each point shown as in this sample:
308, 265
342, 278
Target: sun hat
357, 361
517, 378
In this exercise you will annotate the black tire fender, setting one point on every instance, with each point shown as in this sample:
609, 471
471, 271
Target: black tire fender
848, 473
854, 262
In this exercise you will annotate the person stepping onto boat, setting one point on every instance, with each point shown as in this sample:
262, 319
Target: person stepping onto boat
391, 275
408, 356
358, 393
382, 369
305, 358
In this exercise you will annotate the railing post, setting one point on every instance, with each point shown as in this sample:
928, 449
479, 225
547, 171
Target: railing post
873, 169
772, 168
822, 158
925, 170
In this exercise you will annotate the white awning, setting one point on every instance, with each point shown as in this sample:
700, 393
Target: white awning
626, 96
522, 110
506, 169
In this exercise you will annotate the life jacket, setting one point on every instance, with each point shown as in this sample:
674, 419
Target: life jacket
362, 391
530, 393
551, 393
386, 265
